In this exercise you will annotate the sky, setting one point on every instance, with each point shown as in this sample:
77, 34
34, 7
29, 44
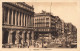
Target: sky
67, 11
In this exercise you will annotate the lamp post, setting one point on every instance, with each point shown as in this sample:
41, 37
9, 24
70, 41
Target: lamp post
42, 40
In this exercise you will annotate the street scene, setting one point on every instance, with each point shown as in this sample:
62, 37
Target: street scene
22, 27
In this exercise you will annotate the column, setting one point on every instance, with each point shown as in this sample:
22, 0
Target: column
27, 20
32, 35
8, 16
2, 15
24, 19
30, 20
28, 37
17, 37
23, 37
15, 17
21, 19
10, 37
12, 18
18, 18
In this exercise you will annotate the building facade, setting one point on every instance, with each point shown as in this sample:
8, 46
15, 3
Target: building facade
70, 34
17, 23
44, 24
58, 27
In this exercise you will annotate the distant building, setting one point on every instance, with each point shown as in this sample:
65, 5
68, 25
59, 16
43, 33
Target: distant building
59, 26
74, 32
44, 24
17, 23
70, 33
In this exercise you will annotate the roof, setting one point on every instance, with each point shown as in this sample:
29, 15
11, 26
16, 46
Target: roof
19, 4
43, 13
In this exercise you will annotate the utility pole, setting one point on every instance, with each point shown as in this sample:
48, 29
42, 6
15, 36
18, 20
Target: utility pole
42, 40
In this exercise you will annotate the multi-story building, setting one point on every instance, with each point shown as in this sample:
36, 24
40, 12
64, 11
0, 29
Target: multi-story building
74, 36
44, 24
58, 23
70, 33
17, 23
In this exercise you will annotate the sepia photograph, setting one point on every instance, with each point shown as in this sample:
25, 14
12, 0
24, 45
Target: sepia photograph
39, 25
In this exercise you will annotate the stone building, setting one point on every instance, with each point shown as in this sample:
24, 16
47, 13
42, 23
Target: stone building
44, 24
17, 23
70, 34
58, 25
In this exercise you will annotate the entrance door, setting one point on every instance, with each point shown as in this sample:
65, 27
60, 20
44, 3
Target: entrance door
13, 37
5, 37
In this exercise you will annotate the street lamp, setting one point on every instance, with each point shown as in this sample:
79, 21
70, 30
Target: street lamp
42, 40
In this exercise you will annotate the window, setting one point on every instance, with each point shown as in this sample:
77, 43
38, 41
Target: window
47, 22
47, 19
